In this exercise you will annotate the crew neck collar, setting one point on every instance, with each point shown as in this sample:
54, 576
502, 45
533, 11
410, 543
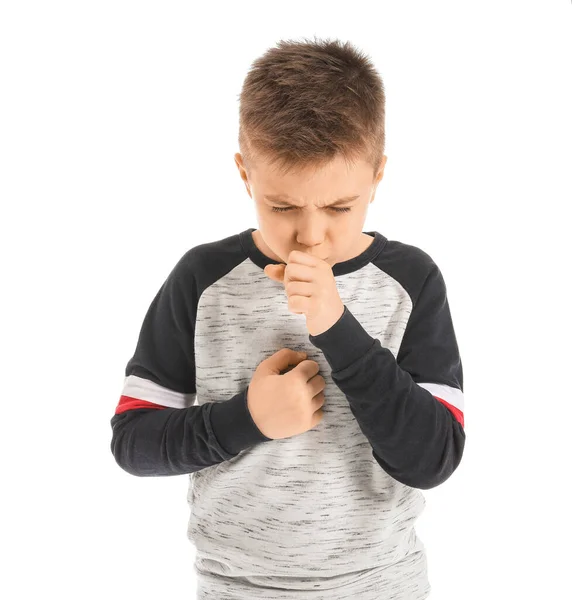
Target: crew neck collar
341, 268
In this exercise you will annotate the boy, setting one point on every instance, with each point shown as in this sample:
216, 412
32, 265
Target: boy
305, 471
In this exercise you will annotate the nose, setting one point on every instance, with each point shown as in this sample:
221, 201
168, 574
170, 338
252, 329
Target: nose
311, 239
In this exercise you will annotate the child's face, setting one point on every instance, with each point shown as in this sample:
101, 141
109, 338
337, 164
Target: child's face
308, 224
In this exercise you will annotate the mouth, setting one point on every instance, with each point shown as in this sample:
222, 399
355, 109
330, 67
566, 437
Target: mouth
325, 259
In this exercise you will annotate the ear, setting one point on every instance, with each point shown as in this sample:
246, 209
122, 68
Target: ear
381, 171
242, 172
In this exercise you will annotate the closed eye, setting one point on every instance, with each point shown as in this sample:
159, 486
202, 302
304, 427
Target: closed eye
340, 210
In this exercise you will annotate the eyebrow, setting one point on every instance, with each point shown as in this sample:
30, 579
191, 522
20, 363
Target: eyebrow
281, 199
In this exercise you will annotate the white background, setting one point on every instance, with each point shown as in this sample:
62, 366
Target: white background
118, 126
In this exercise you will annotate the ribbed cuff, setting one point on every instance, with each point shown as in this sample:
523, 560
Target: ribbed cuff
345, 342
233, 426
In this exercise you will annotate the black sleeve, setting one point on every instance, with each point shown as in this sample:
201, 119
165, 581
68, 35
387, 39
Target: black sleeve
410, 408
157, 428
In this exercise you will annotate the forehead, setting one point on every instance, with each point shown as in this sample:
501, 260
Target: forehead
335, 177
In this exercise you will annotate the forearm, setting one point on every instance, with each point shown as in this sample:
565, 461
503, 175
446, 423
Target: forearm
171, 441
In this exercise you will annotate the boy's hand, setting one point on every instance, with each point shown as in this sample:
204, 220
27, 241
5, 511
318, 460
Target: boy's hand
282, 405
311, 289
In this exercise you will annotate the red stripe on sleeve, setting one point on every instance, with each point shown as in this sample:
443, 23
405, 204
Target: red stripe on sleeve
456, 412
128, 403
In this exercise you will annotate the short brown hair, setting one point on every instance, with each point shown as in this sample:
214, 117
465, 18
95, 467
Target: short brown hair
303, 103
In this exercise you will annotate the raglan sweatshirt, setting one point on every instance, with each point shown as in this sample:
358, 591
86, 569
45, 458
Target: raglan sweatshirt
337, 503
